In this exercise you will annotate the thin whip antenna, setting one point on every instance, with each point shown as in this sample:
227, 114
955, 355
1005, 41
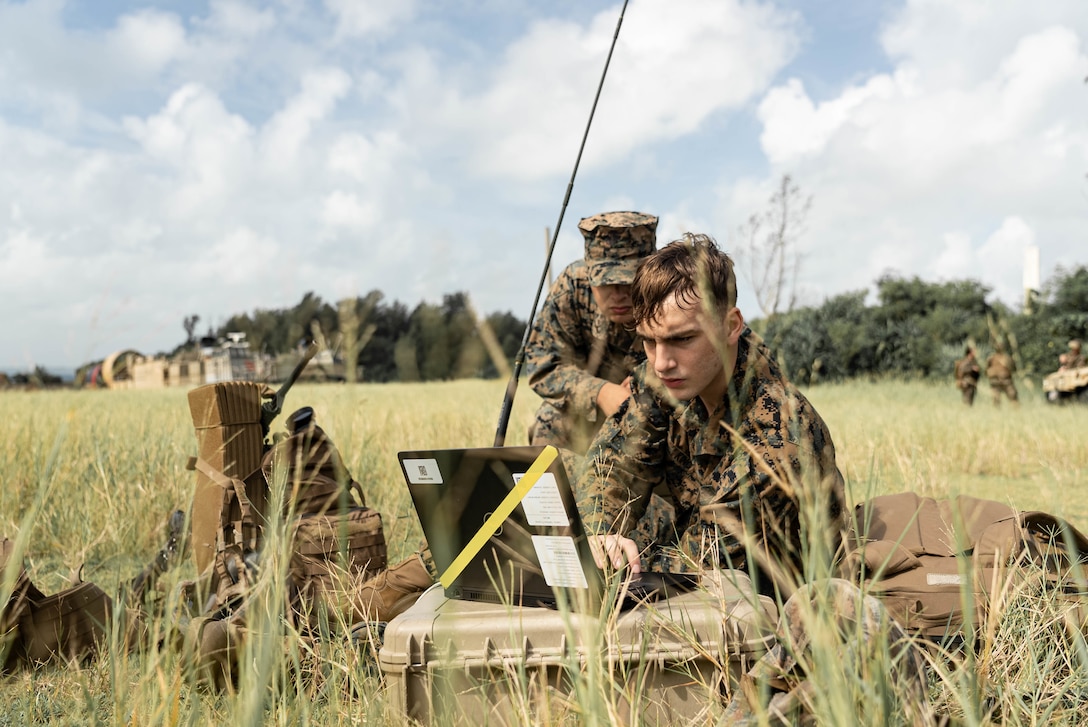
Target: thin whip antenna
519, 360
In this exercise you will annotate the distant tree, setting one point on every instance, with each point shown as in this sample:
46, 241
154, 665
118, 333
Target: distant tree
768, 248
404, 356
1067, 292
378, 360
1060, 314
835, 341
310, 311
356, 329
428, 329
189, 323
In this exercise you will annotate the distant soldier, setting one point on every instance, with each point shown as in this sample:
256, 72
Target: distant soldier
583, 346
1075, 358
999, 370
967, 373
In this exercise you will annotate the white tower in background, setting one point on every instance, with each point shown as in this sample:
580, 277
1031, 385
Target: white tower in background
1031, 275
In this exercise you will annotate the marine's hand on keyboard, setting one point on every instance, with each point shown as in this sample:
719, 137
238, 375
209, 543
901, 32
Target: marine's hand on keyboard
617, 550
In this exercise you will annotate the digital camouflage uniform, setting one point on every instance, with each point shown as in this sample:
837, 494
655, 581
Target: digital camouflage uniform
714, 478
999, 370
967, 373
574, 349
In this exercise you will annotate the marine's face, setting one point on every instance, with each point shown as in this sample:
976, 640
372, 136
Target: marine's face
692, 354
614, 301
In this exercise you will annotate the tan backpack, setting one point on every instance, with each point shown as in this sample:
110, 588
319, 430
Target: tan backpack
34, 628
337, 542
920, 556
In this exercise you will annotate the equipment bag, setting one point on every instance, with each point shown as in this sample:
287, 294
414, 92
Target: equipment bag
230, 445
35, 628
333, 554
69, 625
923, 557
336, 542
18, 601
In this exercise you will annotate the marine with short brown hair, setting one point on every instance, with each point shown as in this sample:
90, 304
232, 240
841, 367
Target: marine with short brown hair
713, 422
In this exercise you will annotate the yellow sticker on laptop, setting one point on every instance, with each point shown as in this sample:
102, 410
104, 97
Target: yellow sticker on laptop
497, 518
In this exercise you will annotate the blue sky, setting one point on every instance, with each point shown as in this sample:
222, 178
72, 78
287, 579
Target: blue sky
159, 159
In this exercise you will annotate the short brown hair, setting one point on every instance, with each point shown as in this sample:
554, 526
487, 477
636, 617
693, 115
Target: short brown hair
692, 268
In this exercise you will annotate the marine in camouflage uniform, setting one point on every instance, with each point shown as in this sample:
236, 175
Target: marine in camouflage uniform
582, 340
762, 441
737, 469
1075, 358
999, 370
967, 372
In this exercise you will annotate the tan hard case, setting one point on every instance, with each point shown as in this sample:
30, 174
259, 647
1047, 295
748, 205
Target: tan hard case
672, 661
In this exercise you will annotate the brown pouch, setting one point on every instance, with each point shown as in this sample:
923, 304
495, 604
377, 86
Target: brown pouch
13, 610
69, 625
333, 554
211, 646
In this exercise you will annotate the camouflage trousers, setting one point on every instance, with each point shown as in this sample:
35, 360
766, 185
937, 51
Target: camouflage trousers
852, 648
563, 430
969, 388
1003, 386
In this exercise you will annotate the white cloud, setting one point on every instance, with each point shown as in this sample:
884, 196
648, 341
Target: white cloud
957, 259
149, 39
352, 155
235, 18
289, 130
24, 261
209, 148
241, 256
675, 64
972, 145
368, 17
346, 211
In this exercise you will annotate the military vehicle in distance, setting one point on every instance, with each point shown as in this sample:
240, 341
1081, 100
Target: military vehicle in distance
1067, 385
211, 361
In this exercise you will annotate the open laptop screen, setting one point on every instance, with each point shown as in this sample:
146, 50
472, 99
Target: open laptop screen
503, 526
499, 528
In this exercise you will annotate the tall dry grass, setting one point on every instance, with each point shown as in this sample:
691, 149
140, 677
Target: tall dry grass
88, 478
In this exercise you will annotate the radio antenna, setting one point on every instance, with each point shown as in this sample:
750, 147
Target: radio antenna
519, 360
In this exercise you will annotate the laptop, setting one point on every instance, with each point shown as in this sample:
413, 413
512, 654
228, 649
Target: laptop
503, 527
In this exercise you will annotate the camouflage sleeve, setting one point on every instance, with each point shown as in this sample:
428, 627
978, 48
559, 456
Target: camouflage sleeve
559, 346
785, 462
624, 464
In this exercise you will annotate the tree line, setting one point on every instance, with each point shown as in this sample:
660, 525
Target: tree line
914, 329
386, 340
917, 329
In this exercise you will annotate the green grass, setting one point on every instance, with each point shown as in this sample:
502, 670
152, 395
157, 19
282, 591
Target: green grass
88, 478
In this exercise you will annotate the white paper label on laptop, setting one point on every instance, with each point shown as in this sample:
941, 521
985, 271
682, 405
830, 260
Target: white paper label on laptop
559, 560
542, 503
423, 471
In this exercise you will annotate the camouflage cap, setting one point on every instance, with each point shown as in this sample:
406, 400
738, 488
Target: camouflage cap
615, 242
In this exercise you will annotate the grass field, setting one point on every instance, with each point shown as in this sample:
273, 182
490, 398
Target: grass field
89, 477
